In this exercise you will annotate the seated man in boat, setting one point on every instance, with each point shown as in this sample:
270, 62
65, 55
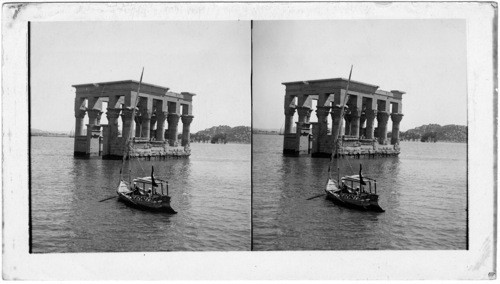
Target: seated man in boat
344, 188
357, 191
137, 190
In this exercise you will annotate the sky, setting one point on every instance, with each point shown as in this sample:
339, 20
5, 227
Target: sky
210, 59
424, 58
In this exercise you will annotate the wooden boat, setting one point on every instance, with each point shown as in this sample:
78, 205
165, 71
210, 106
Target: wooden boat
142, 193
353, 191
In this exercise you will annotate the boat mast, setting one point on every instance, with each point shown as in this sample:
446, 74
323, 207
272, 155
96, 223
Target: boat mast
337, 131
128, 138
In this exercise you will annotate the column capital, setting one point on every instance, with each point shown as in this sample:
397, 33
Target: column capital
187, 119
396, 117
289, 111
113, 113
382, 117
173, 118
336, 111
304, 111
370, 113
80, 113
94, 113
322, 111
353, 113
127, 112
161, 115
146, 114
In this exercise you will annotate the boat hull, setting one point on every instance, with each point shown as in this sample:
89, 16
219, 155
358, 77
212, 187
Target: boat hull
350, 202
145, 203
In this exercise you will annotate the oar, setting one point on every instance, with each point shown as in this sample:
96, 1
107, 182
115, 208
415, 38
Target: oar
316, 196
108, 198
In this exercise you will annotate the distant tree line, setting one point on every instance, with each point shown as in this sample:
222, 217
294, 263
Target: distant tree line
223, 134
436, 132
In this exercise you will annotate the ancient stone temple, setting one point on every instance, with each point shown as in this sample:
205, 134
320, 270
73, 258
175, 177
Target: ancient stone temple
365, 123
154, 129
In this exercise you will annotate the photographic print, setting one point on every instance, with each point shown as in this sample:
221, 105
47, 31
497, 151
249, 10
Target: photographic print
249, 141
372, 157
165, 170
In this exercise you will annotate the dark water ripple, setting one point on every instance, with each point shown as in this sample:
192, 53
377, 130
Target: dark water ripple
210, 191
423, 192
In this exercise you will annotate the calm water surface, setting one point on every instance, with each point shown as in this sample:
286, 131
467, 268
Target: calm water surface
423, 192
210, 191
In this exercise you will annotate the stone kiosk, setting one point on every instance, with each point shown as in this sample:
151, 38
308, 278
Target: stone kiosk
151, 136
359, 136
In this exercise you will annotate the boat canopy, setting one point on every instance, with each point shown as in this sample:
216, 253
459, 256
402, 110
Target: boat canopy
355, 178
147, 180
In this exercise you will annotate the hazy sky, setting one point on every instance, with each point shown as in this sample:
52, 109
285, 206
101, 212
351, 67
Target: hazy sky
424, 58
211, 59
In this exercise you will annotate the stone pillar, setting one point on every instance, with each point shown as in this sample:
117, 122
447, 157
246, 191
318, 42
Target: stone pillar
304, 113
322, 113
146, 124
347, 129
370, 119
94, 116
336, 119
138, 125
173, 120
382, 118
396, 119
354, 116
112, 115
289, 112
160, 126
128, 125
152, 123
362, 120
79, 115
186, 123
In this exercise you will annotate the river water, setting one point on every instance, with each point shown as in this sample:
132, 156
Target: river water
423, 192
210, 191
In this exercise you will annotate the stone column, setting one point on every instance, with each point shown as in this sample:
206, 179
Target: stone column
396, 119
382, 118
145, 125
347, 129
138, 125
79, 115
186, 123
322, 113
304, 113
112, 115
289, 112
354, 116
94, 116
160, 127
362, 120
151, 126
336, 119
128, 125
173, 120
370, 119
